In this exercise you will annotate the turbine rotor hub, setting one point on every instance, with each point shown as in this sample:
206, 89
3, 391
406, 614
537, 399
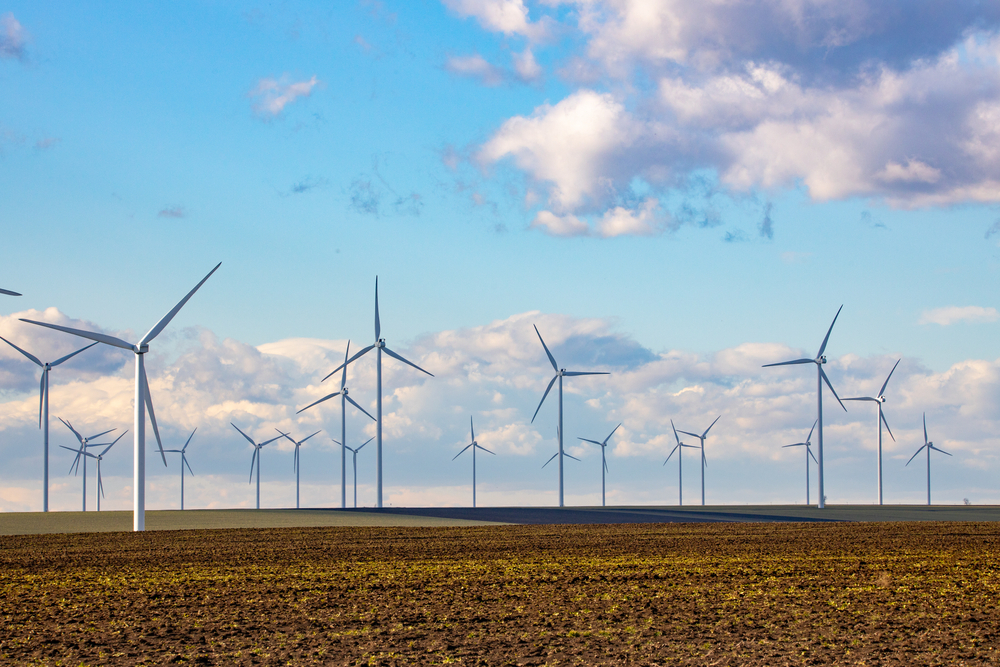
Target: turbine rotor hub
822, 359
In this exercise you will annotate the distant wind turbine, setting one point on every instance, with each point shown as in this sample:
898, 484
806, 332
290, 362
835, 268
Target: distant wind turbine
142, 400
344, 398
84, 443
928, 445
879, 400
355, 453
256, 457
808, 445
560, 374
820, 379
184, 462
295, 462
379, 345
99, 457
704, 461
9, 293
679, 448
43, 410
474, 445
604, 462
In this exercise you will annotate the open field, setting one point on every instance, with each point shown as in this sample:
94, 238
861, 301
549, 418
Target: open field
649, 594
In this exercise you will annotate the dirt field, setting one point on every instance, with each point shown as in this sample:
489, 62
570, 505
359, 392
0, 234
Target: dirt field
643, 594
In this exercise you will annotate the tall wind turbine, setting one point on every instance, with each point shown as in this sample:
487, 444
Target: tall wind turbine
142, 400
820, 379
256, 457
344, 398
474, 445
184, 462
879, 400
379, 345
355, 452
43, 410
808, 445
84, 443
295, 460
928, 445
9, 293
560, 374
604, 462
99, 457
679, 448
704, 461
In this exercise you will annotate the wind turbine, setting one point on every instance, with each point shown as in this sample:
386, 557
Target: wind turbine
256, 457
142, 400
475, 445
184, 462
100, 457
84, 443
355, 452
704, 461
560, 374
379, 345
43, 410
808, 445
679, 448
295, 461
928, 445
344, 398
820, 379
604, 463
879, 400
9, 293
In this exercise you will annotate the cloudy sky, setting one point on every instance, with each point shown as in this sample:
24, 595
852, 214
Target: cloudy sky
673, 191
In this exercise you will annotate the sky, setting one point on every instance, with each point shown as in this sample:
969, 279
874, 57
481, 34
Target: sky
675, 192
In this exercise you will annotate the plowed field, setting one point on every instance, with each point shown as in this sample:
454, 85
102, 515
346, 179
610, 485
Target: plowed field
648, 594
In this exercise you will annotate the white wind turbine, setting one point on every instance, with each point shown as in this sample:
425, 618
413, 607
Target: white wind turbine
879, 400
560, 374
256, 457
99, 457
679, 448
9, 293
142, 400
604, 462
474, 445
808, 445
928, 445
704, 461
84, 443
379, 345
820, 379
355, 452
184, 462
344, 398
43, 410
295, 461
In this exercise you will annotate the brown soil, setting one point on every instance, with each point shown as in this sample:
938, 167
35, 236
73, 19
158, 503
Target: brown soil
648, 594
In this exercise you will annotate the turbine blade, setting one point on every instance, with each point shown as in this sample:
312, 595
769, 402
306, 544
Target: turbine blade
349, 361
396, 356
710, 427
797, 444
108, 448
70, 427
676, 447
809, 437
576, 373
461, 452
599, 444
827, 381
327, 397
100, 484
71, 355
676, 437
185, 461
827, 338
307, 437
695, 435
925, 428
485, 450
887, 426
915, 454
570, 456
809, 451
249, 439
355, 404
552, 360
9, 293
277, 437
606, 466
862, 398
165, 320
99, 337
884, 384
544, 396
283, 434
152, 414
550, 460
252, 461
938, 449
378, 326
25, 353
95, 437
472, 429
363, 444
791, 363
295, 460
612, 433
41, 398
343, 377
188, 440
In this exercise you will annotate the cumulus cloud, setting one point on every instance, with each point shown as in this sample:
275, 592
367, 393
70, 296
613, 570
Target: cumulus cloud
526, 67
509, 17
271, 96
953, 314
475, 66
13, 37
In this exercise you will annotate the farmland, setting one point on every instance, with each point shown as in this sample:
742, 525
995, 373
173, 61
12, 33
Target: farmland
711, 593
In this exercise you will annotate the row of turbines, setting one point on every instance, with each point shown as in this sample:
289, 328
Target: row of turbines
143, 404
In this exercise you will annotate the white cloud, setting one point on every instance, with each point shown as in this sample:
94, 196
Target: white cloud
526, 67
509, 17
952, 314
560, 225
271, 96
13, 37
477, 67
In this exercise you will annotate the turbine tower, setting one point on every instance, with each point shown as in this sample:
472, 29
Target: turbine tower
84, 443
820, 379
142, 400
43, 410
184, 462
9, 293
379, 345
475, 445
704, 461
604, 462
928, 445
99, 457
879, 400
679, 448
355, 452
256, 457
560, 374
295, 461
808, 445
344, 398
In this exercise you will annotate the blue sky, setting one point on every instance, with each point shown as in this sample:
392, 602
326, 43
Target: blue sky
680, 191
